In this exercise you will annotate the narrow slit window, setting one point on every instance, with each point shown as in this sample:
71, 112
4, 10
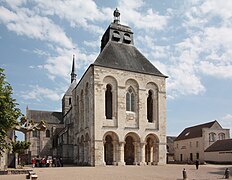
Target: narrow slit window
150, 107
108, 102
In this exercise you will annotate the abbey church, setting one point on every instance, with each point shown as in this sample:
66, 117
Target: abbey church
114, 115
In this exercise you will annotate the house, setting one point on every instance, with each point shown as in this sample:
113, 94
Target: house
219, 152
193, 141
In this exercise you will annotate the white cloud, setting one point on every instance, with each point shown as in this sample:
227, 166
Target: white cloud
92, 44
146, 19
25, 22
220, 71
204, 47
40, 93
78, 13
40, 52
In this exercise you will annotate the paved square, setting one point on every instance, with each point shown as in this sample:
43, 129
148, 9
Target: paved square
172, 172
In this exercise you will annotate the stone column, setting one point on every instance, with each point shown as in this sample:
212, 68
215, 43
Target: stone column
121, 154
85, 153
135, 153
114, 152
142, 154
155, 154
152, 155
103, 154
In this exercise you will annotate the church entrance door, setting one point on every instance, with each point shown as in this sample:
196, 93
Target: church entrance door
129, 154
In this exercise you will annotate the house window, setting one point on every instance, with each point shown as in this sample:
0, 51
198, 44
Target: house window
191, 156
197, 144
150, 107
35, 133
69, 101
47, 133
108, 102
221, 136
130, 100
181, 157
197, 155
212, 137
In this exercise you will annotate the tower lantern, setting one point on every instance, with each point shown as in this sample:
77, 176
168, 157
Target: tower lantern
116, 16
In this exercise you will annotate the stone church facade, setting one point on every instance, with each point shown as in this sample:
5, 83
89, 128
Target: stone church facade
116, 113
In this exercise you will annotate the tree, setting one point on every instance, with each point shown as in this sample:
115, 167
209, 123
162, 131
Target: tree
9, 113
20, 147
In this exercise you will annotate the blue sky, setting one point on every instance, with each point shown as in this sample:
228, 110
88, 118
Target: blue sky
190, 41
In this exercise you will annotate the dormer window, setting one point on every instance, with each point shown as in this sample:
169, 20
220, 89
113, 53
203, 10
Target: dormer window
116, 36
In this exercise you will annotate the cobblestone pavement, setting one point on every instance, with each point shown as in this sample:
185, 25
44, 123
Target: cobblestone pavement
165, 172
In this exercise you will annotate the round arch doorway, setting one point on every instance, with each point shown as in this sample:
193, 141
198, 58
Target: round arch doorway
152, 150
108, 150
129, 151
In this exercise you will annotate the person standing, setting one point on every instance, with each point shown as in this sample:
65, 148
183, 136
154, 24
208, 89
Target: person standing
197, 164
33, 162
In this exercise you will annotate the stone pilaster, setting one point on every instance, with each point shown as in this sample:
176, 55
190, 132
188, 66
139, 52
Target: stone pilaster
121, 154
142, 154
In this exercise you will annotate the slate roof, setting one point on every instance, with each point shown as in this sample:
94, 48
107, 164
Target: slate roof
194, 131
70, 89
170, 139
220, 145
57, 131
49, 116
125, 57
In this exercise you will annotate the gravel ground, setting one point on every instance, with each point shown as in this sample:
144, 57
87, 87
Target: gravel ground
172, 172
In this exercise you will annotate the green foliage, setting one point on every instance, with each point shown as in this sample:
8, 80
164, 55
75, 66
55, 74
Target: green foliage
9, 113
20, 147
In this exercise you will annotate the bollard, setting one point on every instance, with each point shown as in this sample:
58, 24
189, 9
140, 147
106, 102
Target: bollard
227, 173
184, 174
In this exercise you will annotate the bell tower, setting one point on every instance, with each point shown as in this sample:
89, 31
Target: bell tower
117, 32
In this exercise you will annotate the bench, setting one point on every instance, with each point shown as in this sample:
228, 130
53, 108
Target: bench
34, 176
31, 175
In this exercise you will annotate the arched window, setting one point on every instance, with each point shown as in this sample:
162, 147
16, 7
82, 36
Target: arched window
47, 133
108, 102
150, 107
221, 136
130, 100
212, 137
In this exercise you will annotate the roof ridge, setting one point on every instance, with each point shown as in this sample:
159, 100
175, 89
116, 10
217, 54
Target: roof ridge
43, 110
201, 124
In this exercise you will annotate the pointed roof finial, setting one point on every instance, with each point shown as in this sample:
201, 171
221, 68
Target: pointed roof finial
116, 16
73, 74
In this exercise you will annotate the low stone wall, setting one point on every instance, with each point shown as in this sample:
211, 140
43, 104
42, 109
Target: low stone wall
8, 172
